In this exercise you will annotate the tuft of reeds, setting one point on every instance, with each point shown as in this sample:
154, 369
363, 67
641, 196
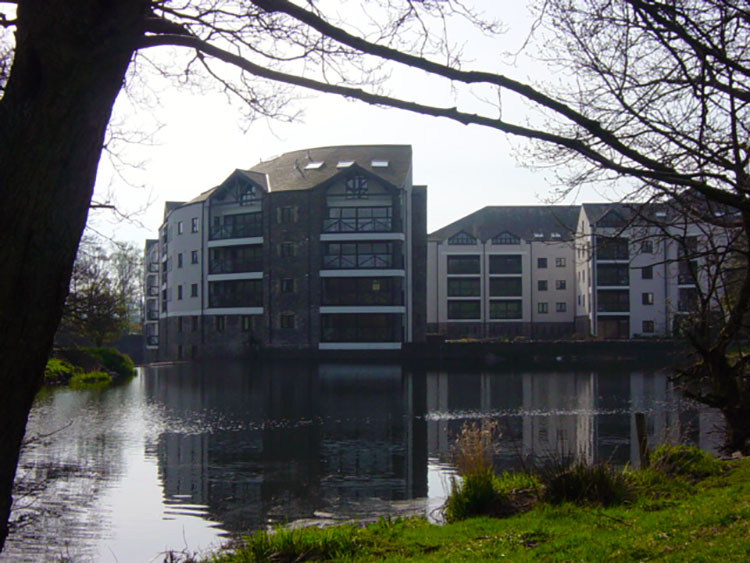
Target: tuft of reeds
582, 483
475, 446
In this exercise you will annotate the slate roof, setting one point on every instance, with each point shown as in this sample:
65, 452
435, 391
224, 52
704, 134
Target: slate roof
288, 172
522, 221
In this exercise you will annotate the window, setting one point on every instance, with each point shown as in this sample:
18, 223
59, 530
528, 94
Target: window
369, 255
560, 262
235, 293
505, 309
647, 298
612, 248
647, 247
561, 307
541, 263
194, 225
246, 323
179, 292
505, 264
286, 215
542, 308
647, 327
560, 284
358, 219
235, 258
219, 323
286, 320
541, 285
463, 287
462, 238
193, 290
505, 287
506, 238
463, 264
613, 300
463, 310
194, 257
179, 260
613, 274
286, 285
179, 227
288, 249
194, 323
362, 291
238, 225
647, 273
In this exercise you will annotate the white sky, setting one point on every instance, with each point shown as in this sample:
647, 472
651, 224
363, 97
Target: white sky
201, 143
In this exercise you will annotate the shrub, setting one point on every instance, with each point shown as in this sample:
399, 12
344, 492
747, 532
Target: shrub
113, 360
581, 483
684, 461
58, 371
90, 379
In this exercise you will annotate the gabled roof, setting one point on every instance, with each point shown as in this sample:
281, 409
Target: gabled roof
254, 177
621, 215
523, 221
291, 171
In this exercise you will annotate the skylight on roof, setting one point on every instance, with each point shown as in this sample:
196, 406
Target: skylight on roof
538, 235
661, 213
314, 165
555, 235
379, 164
344, 163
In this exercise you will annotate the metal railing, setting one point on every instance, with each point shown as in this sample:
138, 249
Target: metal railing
237, 230
239, 299
231, 266
358, 225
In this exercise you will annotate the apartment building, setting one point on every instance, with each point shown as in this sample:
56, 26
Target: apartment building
319, 249
637, 269
503, 272
607, 270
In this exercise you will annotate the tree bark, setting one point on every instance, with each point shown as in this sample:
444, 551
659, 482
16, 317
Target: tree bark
70, 63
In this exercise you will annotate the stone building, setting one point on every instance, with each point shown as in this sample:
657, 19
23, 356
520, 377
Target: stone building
317, 249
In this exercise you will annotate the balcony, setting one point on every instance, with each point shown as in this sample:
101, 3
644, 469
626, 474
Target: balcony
363, 261
233, 266
239, 226
362, 292
152, 291
152, 340
153, 268
358, 220
613, 301
238, 299
152, 315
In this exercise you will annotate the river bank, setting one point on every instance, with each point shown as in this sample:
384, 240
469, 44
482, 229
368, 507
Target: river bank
677, 517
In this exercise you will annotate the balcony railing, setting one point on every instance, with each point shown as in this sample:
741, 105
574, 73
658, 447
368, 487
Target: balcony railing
238, 230
363, 261
358, 225
363, 299
152, 291
153, 268
238, 299
152, 315
360, 334
232, 266
686, 279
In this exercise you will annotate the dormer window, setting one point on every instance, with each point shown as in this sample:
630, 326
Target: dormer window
314, 165
506, 238
345, 163
661, 213
538, 235
379, 164
555, 235
462, 238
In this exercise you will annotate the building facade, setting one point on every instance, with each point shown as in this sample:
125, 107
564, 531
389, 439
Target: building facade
503, 272
319, 249
606, 270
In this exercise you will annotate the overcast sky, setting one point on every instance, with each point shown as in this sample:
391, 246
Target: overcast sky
201, 142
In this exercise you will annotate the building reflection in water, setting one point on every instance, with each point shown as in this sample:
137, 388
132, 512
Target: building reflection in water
280, 441
283, 440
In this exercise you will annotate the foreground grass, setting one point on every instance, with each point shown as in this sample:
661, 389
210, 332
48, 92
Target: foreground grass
695, 517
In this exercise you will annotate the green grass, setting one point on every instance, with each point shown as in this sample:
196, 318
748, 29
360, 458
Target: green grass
673, 516
113, 360
90, 379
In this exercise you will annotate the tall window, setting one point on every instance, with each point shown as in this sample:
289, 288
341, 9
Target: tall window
194, 290
179, 227
505, 264
560, 284
194, 257
560, 262
179, 260
194, 225
463, 264
542, 308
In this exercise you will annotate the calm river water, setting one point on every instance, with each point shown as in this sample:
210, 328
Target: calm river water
185, 455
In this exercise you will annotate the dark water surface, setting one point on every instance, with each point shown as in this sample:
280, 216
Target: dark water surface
185, 455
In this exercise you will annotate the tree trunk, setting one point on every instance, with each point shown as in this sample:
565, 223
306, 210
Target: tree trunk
70, 62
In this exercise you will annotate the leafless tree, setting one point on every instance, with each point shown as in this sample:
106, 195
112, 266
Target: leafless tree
677, 124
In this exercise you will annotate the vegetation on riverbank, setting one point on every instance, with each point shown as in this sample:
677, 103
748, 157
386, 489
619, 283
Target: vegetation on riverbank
685, 506
84, 367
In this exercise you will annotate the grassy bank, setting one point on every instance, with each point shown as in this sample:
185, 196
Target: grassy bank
87, 367
680, 509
